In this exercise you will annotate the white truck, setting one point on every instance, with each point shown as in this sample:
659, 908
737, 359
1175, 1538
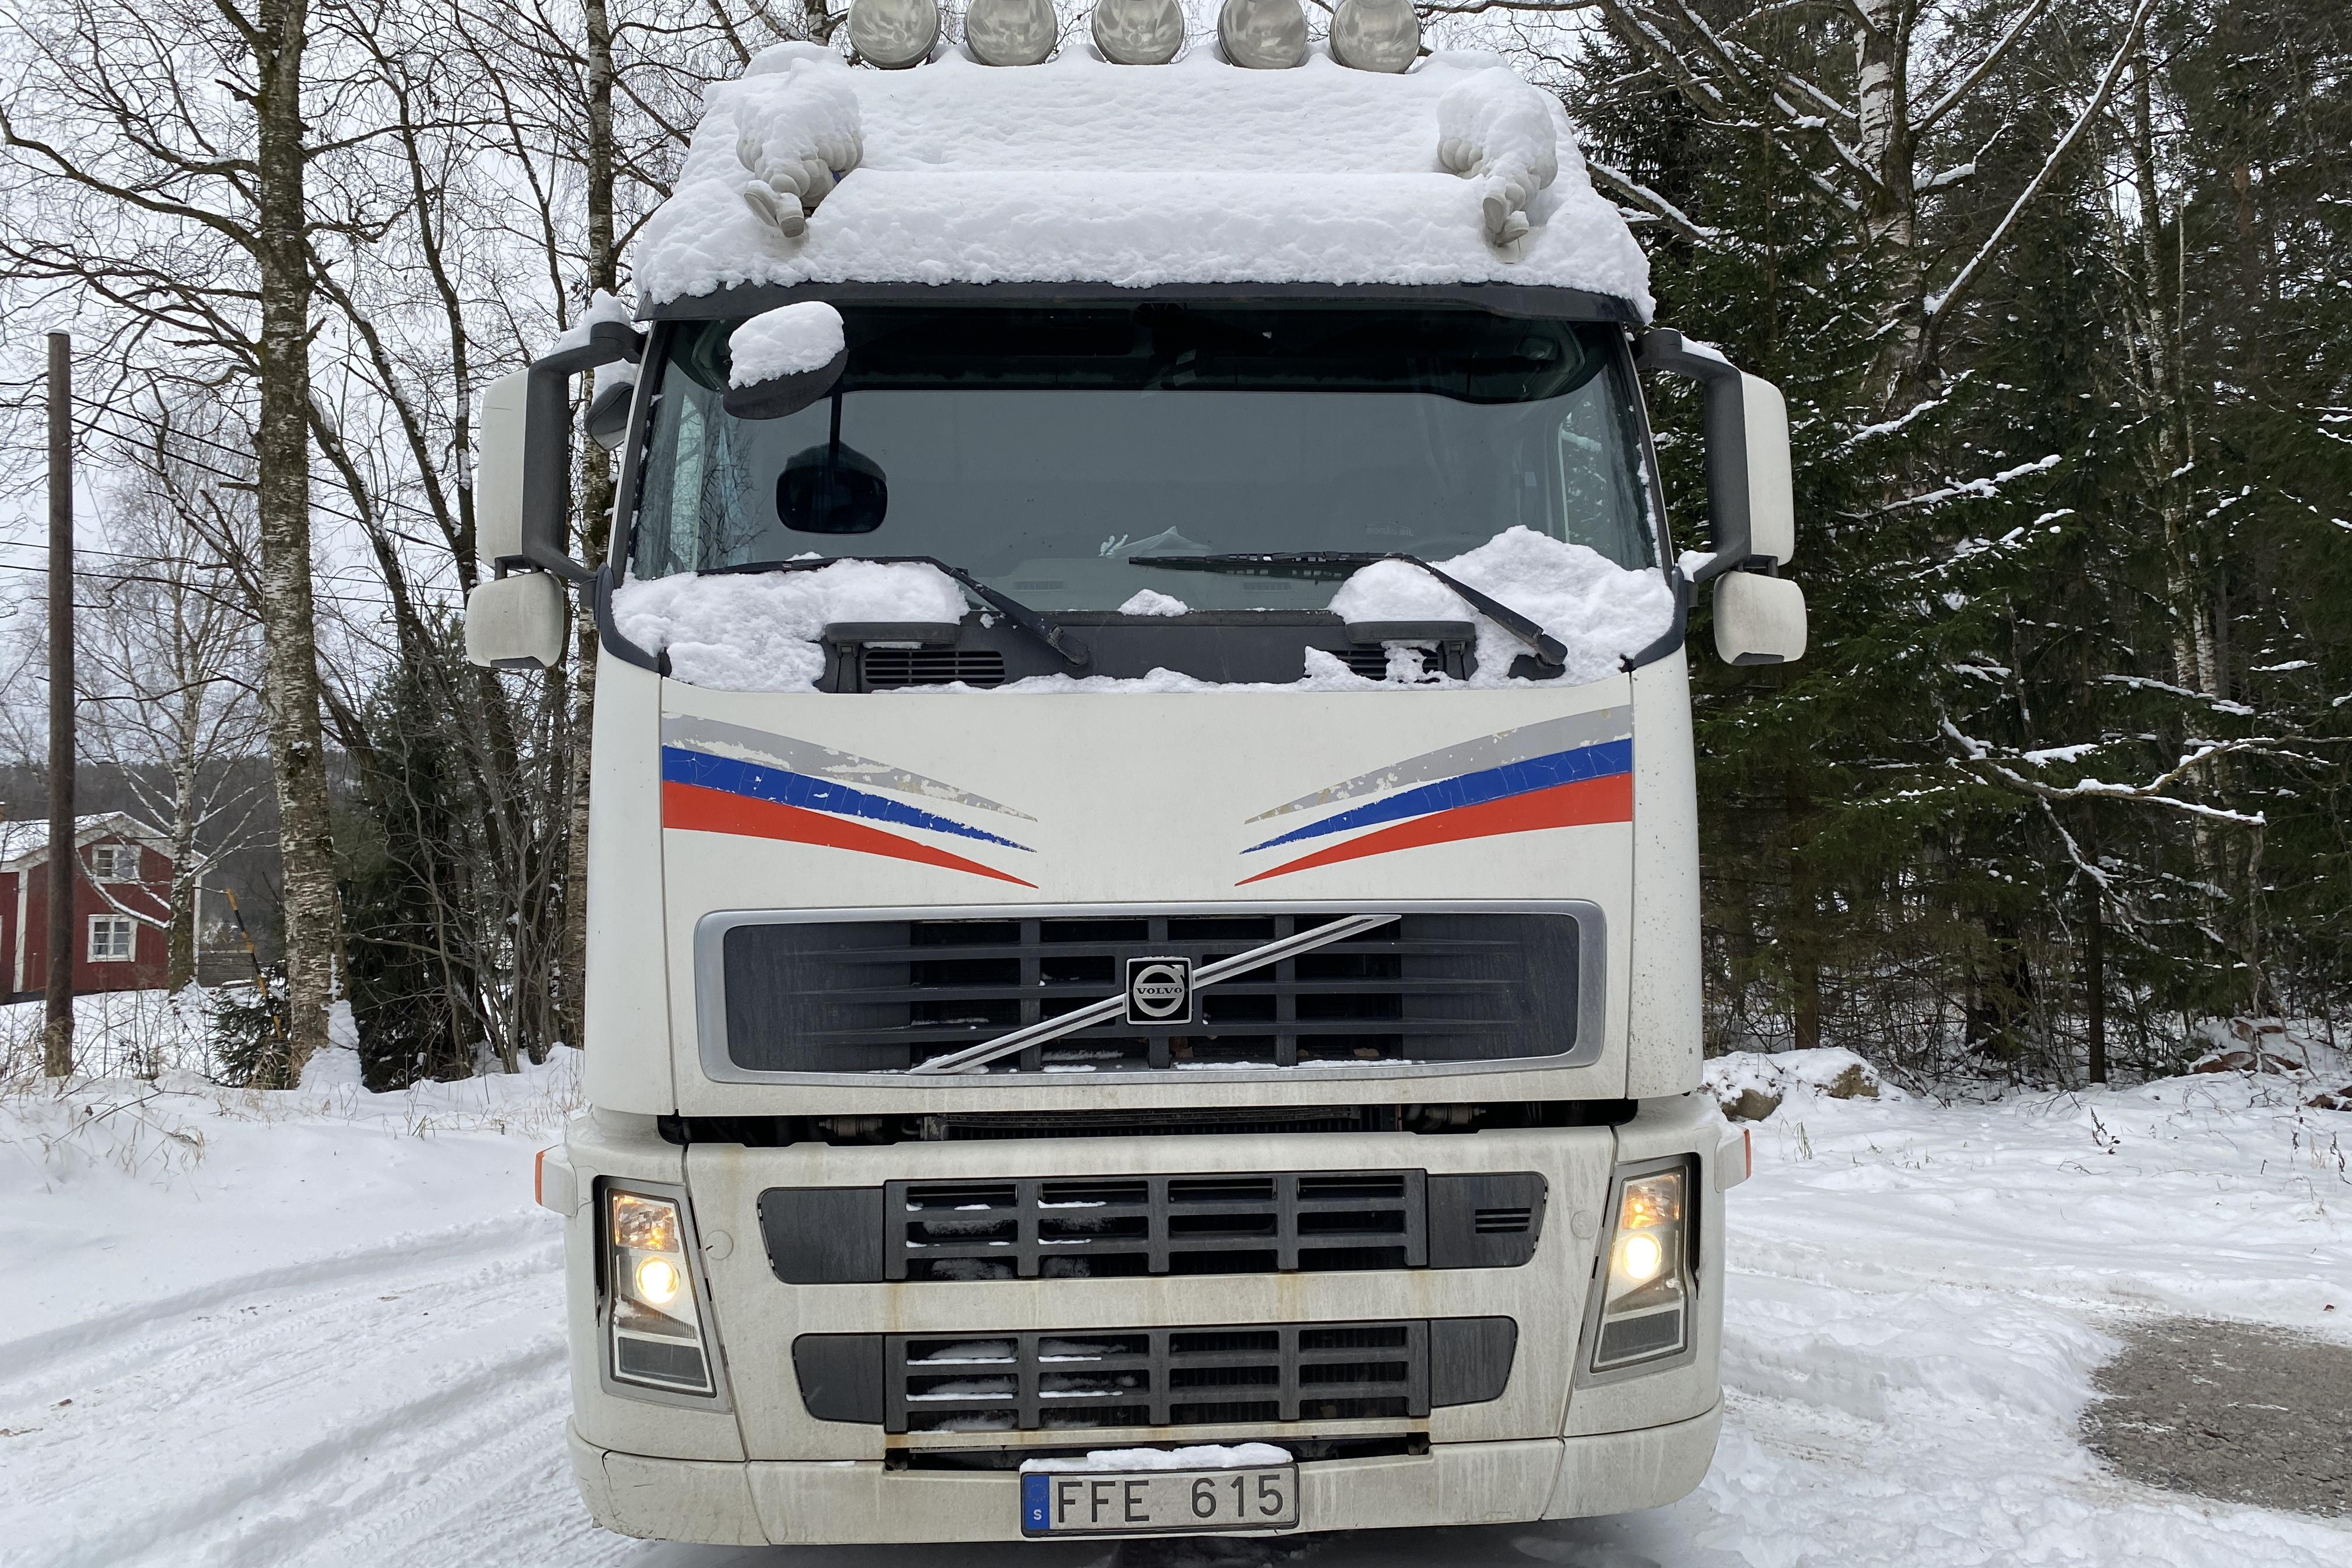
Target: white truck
1143, 908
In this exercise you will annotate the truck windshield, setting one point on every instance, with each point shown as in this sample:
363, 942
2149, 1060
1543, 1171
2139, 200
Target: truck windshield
1044, 448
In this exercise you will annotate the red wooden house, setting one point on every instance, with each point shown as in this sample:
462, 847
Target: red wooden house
122, 903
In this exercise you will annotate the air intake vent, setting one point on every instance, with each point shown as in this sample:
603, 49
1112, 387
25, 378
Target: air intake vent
1097, 1227
1371, 660
1252, 1376
1108, 1227
888, 668
883, 995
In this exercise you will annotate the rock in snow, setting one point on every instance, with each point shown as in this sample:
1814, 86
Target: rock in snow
1752, 1085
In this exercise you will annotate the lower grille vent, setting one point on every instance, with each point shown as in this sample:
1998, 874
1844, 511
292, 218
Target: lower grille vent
1251, 1375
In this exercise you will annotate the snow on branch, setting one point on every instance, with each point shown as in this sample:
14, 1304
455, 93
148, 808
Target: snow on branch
1994, 768
1975, 489
1650, 203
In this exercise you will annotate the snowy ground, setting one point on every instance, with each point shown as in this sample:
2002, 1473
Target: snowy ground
322, 1328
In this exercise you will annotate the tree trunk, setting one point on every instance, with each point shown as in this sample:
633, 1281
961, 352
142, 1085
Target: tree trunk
595, 512
2095, 980
1890, 202
290, 685
179, 946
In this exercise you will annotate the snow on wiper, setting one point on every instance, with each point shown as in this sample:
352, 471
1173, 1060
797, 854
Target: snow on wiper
1037, 624
1550, 654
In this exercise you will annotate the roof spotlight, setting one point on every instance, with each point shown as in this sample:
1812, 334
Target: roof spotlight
1138, 32
1010, 32
1264, 35
894, 34
1375, 34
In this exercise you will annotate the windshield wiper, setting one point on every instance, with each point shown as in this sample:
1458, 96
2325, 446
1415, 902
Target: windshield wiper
1550, 655
1042, 627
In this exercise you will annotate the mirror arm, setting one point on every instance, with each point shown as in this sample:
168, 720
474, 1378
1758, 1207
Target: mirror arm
1724, 422
547, 444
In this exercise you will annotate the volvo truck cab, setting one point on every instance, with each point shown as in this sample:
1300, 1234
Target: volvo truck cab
1143, 906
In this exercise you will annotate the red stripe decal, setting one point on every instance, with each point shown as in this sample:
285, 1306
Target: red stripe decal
1578, 804
701, 810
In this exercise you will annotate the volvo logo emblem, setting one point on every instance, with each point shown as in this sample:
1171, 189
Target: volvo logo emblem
1159, 991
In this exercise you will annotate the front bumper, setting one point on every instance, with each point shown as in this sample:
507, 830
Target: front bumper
798, 1504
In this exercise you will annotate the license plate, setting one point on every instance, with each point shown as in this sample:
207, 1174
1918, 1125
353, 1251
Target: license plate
1112, 1502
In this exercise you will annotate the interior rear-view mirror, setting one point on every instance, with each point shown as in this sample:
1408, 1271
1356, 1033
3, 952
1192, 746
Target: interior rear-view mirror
515, 622
832, 489
1758, 619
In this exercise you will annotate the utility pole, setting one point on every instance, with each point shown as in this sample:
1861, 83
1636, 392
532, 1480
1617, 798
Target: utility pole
57, 1040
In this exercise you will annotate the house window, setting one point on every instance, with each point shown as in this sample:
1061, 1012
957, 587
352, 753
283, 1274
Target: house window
110, 939
114, 863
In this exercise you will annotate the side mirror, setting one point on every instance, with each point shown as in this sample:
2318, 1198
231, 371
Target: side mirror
784, 360
516, 623
1757, 619
522, 462
1751, 511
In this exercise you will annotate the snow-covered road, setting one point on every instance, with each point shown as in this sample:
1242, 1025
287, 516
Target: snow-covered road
333, 1337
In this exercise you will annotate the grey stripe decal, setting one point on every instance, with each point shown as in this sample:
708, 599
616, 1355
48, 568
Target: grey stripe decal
817, 762
1470, 756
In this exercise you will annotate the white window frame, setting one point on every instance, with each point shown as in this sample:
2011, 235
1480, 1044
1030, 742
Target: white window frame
107, 863
115, 927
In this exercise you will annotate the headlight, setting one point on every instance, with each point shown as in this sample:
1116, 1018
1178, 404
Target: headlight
1644, 1299
653, 1325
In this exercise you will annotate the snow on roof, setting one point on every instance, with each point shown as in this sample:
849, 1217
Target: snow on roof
29, 839
1081, 170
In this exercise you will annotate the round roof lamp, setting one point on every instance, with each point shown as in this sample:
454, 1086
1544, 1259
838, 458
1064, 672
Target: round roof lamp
1138, 32
1262, 35
1375, 34
894, 34
1010, 32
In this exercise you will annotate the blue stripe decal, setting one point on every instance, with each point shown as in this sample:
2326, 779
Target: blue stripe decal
1522, 778
786, 788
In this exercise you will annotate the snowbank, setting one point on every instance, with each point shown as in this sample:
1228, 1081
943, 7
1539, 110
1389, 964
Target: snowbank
1079, 170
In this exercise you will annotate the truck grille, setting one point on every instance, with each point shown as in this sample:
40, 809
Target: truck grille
1233, 1375
883, 995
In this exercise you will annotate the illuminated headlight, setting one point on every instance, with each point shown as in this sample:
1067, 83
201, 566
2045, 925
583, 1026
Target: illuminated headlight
894, 34
1645, 1298
653, 1321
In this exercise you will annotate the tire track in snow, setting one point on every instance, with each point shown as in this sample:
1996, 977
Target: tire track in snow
255, 1435
365, 1262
